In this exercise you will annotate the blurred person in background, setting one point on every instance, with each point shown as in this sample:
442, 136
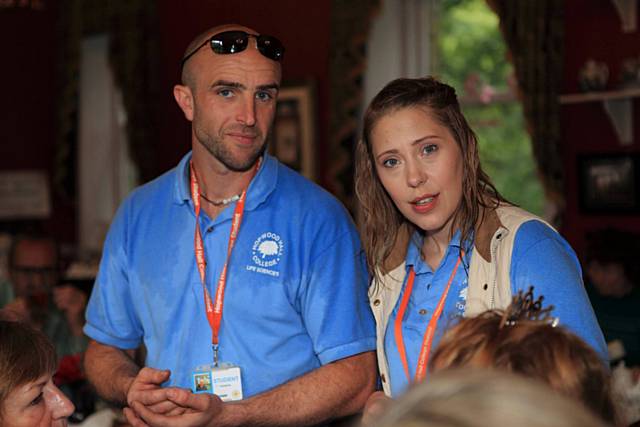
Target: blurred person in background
612, 278
37, 296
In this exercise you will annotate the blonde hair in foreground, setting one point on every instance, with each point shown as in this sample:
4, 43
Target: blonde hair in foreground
474, 398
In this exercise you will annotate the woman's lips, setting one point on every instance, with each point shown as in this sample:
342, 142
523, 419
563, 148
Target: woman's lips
424, 204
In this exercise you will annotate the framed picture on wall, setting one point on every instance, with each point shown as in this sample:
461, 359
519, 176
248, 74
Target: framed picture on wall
294, 128
609, 183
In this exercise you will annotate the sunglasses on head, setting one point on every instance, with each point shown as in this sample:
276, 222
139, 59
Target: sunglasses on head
228, 42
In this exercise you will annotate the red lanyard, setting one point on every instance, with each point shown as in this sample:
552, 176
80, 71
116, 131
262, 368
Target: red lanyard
214, 310
427, 340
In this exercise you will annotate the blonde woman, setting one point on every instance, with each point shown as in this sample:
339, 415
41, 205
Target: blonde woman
440, 241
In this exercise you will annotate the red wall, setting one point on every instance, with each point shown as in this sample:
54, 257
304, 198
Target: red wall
27, 106
593, 30
27, 75
28, 42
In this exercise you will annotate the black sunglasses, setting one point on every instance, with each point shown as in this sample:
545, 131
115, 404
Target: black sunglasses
229, 42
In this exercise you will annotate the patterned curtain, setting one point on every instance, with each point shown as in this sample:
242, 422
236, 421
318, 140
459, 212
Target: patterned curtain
534, 33
132, 29
350, 23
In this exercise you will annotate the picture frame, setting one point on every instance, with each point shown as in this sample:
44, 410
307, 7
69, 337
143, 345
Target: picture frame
24, 195
609, 183
293, 139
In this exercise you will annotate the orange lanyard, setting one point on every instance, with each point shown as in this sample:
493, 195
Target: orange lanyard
427, 340
214, 310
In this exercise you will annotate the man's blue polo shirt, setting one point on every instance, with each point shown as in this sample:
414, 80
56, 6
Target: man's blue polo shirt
541, 258
296, 294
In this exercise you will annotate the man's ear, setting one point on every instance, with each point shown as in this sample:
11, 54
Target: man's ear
184, 98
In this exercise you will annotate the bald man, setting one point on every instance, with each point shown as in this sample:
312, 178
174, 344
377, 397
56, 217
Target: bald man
232, 268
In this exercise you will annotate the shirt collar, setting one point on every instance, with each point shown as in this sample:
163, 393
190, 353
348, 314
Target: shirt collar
414, 257
262, 185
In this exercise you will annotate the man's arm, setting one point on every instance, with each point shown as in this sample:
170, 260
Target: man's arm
331, 391
110, 370
117, 378
335, 390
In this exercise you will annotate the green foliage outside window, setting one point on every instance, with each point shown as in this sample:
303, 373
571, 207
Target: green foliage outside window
469, 41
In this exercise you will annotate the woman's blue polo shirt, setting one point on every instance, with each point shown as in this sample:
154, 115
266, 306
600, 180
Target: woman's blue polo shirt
541, 258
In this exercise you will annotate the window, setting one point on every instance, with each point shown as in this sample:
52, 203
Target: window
472, 57
460, 42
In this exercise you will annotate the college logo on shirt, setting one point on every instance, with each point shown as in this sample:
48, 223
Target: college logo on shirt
266, 253
461, 303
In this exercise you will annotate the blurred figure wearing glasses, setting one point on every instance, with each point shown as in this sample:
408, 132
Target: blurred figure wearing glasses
231, 257
36, 296
38, 300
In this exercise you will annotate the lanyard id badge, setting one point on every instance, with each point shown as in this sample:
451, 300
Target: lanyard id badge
427, 340
222, 379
